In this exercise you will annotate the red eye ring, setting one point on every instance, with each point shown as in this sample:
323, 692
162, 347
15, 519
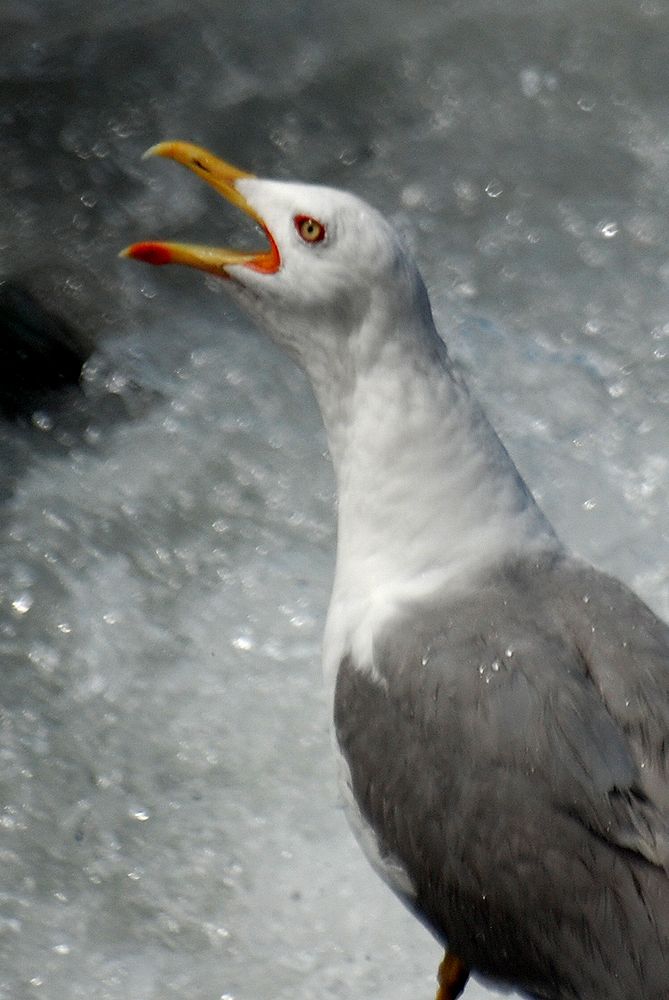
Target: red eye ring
309, 229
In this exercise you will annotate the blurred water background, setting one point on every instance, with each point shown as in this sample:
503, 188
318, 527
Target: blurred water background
169, 824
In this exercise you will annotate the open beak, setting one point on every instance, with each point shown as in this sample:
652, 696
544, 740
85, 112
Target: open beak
223, 177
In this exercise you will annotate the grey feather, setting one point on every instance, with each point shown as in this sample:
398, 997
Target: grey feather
525, 740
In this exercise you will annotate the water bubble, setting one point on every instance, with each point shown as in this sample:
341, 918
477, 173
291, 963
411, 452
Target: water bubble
42, 420
23, 603
44, 657
586, 103
348, 157
530, 82
466, 290
141, 815
608, 229
122, 129
100, 150
92, 435
116, 383
199, 358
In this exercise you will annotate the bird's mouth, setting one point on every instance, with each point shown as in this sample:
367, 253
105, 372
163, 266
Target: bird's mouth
223, 177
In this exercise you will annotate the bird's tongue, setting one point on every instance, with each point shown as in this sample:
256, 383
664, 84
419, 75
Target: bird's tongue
221, 176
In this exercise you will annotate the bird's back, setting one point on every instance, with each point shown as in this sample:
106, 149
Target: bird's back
509, 754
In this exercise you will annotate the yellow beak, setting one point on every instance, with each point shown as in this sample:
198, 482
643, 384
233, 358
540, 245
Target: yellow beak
222, 176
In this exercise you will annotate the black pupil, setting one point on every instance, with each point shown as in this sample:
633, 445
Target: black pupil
310, 229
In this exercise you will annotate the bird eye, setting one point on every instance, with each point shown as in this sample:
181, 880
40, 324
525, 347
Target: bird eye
310, 230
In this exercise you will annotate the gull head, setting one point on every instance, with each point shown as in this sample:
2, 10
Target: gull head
332, 266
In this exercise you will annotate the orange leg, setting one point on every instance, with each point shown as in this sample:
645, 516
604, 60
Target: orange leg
452, 977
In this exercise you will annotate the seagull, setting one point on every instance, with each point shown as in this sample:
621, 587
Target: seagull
501, 708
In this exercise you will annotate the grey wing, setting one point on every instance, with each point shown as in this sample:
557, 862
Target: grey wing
491, 759
624, 648
585, 702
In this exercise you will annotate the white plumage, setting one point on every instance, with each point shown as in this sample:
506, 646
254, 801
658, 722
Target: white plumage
502, 742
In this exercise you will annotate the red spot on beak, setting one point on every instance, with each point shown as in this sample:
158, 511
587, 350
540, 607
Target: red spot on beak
151, 253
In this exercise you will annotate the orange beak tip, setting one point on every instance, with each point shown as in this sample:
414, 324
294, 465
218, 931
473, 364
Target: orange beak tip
150, 253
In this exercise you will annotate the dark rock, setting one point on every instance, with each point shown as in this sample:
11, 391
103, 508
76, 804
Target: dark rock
40, 352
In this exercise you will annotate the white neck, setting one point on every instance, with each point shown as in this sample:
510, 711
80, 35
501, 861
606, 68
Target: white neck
428, 496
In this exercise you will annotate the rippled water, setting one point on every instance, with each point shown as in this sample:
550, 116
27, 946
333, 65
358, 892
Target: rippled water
169, 824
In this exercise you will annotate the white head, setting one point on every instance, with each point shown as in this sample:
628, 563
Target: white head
333, 261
